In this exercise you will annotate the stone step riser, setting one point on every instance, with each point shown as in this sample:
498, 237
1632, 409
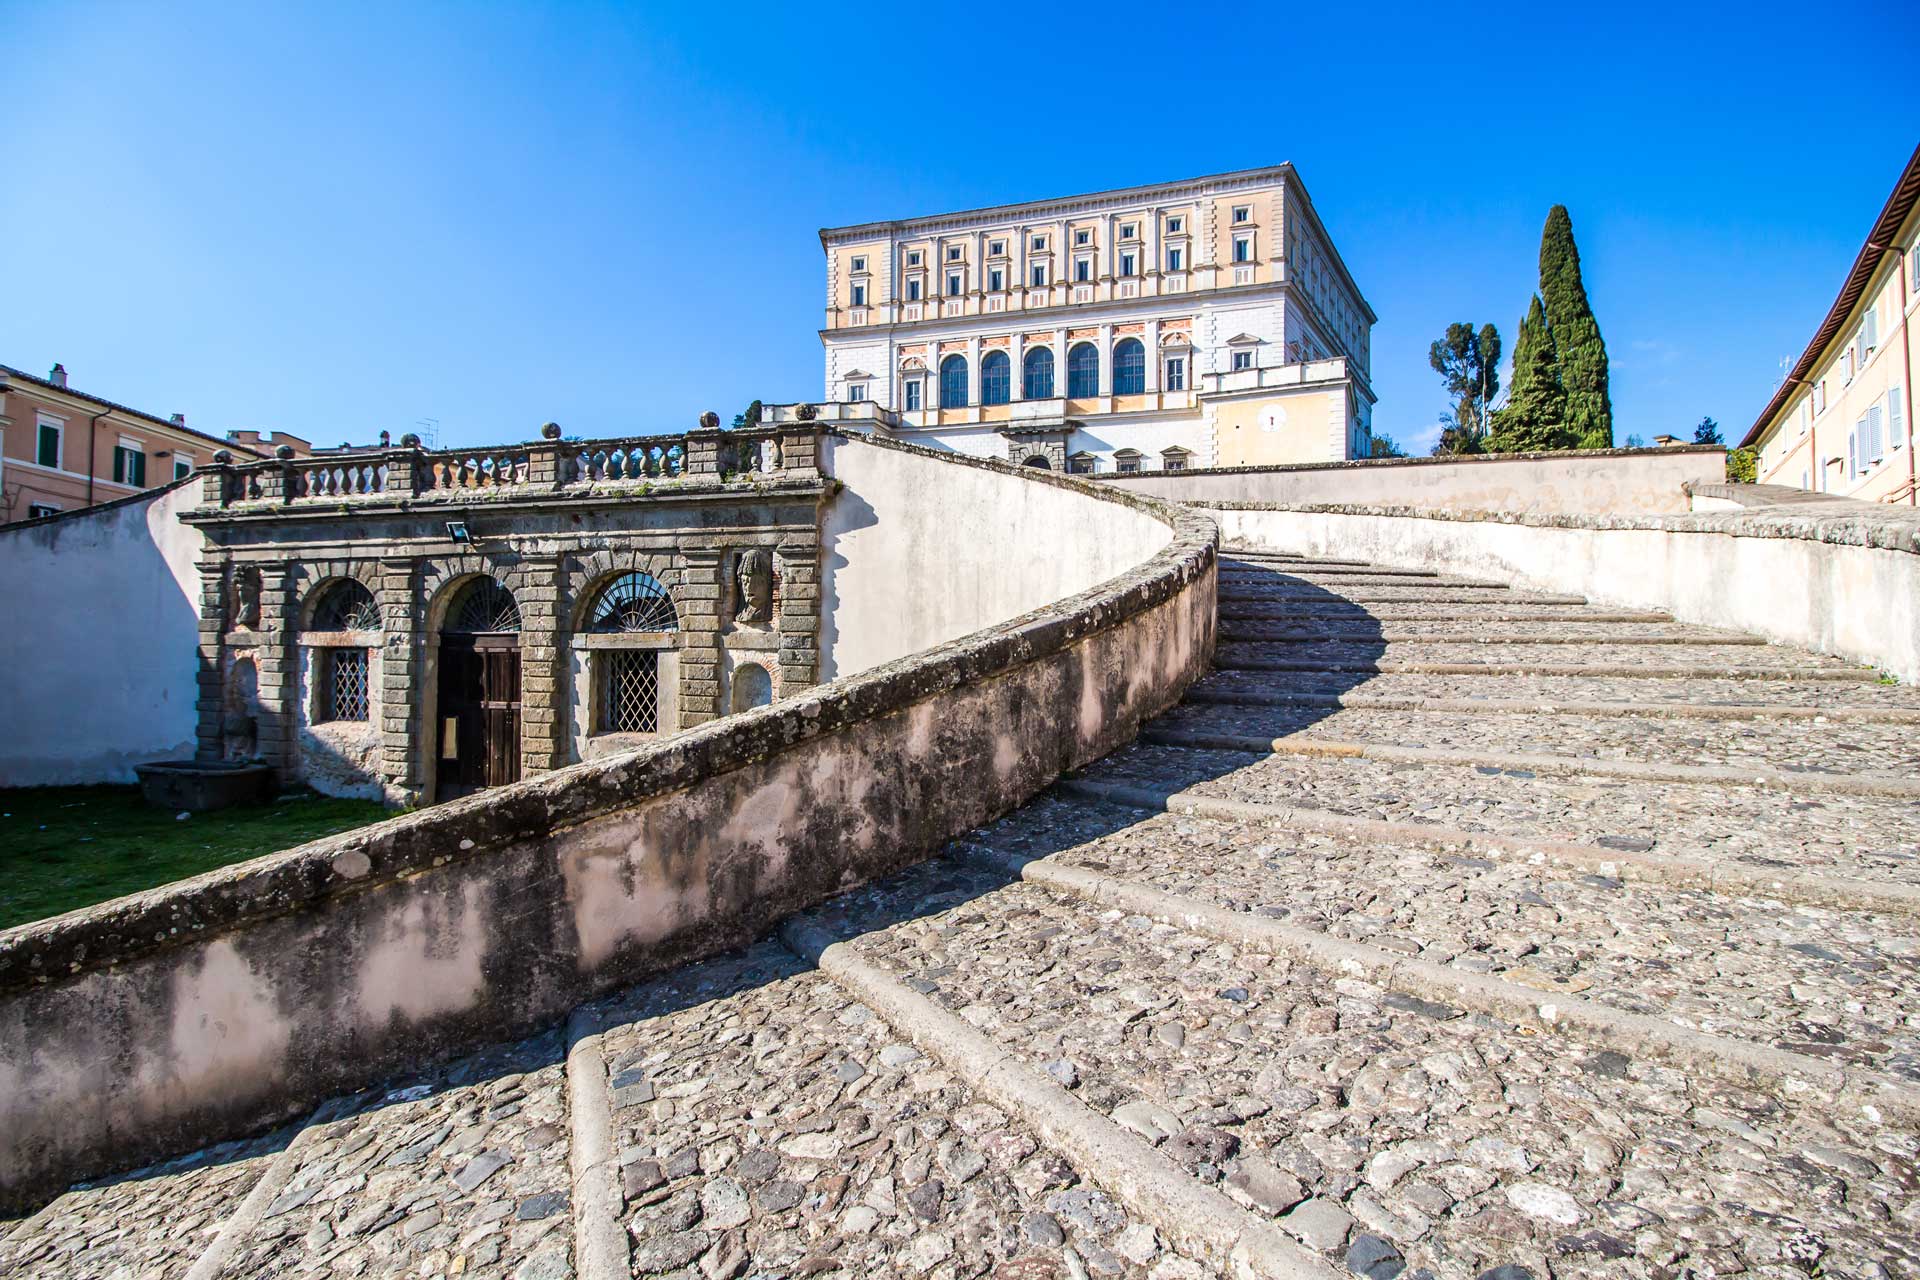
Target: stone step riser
1410, 597
1828, 675
1375, 580
1555, 766
1500, 706
1196, 1217
1478, 615
1717, 875
1236, 635
1739, 1062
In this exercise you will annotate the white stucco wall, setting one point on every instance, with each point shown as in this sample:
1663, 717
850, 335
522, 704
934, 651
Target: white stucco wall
916, 551
1854, 601
99, 632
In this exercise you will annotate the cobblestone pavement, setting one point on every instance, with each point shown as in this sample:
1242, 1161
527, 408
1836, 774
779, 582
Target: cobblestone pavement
768, 1123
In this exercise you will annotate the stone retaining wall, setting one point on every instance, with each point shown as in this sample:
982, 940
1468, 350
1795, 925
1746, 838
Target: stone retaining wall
201, 1010
1844, 580
1594, 481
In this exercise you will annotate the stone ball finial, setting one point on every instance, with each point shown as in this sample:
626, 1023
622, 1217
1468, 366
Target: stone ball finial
805, 412
284, 453
710, 421
223, 456
550, 432
410, 441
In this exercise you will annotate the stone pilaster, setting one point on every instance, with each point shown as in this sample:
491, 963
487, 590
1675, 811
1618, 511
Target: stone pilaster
700, 600
210, 705
799, 616
279, 669
402, 733
542, 723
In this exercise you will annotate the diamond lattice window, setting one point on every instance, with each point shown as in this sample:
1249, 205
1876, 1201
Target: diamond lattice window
630, 691
346, 684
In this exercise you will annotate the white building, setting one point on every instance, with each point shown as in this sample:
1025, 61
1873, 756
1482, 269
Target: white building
1208, 322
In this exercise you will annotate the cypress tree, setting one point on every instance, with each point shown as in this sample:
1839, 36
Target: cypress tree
1535, 415
1576, 335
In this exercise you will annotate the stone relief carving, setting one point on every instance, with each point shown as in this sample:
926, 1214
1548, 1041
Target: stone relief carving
240, 713
245, 614
753, 582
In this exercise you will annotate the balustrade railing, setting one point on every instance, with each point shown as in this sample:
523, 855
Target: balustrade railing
553, 465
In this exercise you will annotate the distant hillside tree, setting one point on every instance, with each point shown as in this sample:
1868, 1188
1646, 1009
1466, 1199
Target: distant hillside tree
748, 417
1576, 335
1708, 432
1385, 446
1468, 362
1535, 415
1457, 437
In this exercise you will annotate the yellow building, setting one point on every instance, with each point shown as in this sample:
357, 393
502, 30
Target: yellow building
1842, 422
1208, 322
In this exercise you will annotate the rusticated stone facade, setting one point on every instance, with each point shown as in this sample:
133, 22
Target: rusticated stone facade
411, 625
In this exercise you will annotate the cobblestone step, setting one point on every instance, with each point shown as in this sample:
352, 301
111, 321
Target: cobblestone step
1539, 693
1838, 748
1241, 695
1857, 836
1318, 568
1280, 631
767, 1122
1552, 765
1817, 982
1457, 596
1322, 613
1371, 1124
1245, 657
1342, 581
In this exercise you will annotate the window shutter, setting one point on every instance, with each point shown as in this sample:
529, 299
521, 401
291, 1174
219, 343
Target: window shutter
1896, 428
1876, 444
1871, 330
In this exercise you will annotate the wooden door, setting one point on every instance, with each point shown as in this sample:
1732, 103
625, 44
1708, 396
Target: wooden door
479, 730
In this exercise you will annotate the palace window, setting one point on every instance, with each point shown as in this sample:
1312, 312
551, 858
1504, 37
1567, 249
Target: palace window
1242, 360
996, 248
1039, 275
859, 295
1127, 261
995, 378
344, 685
47, 453
129, 464
859, 264
996, 280
182, 465
1083, 371
913, 257
1242, 213
41, 510
1039, 243
1176, 379
341, 681
910, 395
1083, 237
1082, 464
1243, 248
953, 254
1176, 259
1126, 461
953, 382
1038, 373
1174, 459
856, 391
913, 289
1083, 270
1129, 367
954, 280
1176, 225
1128, 230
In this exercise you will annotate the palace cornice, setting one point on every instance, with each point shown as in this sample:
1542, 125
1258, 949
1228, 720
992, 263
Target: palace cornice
1171, 304
1090, 202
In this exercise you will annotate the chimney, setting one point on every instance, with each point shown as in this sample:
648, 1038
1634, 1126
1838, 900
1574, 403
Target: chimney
179, 419
58, 375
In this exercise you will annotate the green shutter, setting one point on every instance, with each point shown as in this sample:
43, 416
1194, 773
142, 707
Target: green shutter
49, 446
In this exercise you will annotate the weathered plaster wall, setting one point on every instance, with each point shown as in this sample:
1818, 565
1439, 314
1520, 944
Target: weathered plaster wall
1845, 584
156, 1023
1587, 481
911, 557
97, 651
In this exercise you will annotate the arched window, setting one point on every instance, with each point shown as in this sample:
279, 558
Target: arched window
1129, 367
1083, 371
953, 382
346, 605
483, 607
1039, 373
1038, 462
632, 602
996, 378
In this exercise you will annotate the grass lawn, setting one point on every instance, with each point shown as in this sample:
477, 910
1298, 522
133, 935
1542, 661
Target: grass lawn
68, 847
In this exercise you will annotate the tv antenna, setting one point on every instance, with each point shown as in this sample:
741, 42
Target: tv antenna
429, 432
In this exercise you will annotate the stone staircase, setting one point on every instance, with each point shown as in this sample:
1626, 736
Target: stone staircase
1444, 930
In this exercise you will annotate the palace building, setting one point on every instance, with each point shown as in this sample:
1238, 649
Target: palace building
1202, 323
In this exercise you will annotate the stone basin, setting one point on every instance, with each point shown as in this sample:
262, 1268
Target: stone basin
198, 786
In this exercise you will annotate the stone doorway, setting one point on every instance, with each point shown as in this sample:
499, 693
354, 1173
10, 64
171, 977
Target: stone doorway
478, 707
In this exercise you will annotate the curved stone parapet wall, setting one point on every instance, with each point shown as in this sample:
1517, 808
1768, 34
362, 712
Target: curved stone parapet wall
1844, 582
201, 1010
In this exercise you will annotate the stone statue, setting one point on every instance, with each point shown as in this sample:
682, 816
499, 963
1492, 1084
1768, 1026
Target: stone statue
246, 599
753, 579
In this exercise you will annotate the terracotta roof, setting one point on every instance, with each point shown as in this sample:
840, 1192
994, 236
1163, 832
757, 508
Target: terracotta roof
21, 375
1878, 244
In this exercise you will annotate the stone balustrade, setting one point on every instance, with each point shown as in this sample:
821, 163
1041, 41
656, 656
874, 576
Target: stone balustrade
552, 465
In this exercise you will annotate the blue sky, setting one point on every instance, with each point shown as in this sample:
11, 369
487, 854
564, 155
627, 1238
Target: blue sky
339, 220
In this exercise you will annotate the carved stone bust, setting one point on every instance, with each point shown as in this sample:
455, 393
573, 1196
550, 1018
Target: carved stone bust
246, 599
753, 580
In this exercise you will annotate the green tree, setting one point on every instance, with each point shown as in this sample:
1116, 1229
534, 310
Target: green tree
1708, 432
1458, 437
1743, 466
1385, 446
1576, 335
1535, 415
1468, 362
749, 417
